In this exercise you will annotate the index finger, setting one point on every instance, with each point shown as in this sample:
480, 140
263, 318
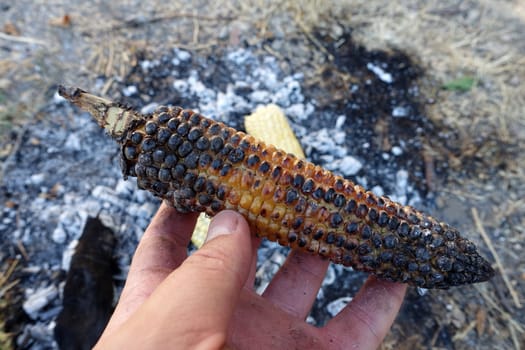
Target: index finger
162, 249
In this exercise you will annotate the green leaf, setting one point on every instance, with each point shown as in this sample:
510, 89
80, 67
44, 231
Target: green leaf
461, 84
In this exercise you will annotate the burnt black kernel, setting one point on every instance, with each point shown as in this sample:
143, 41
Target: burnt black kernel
170, 160
236, 156
424, 268
413, 218
204, 199
225, 133
427, 236
450, 235
221, 192
351, 206
145, 159
376, 240
444, 263
152, 172
165, 175
383, 219
403, 229
244, 145
185, 193
191, 160
264, 167
298, 181
216, 164
159, 187
422, 254
393, 223
292, 237
297, 223
330, 238
184, 149
390, 241
204, 160
415, 233
470, 248
412, 266
225, 150
426, 223
253, 160
350, 245
151, 128
339, 201
419, 281
308, 186
370, 199
291, 196
368, 260
174, 142
173, 124
136, 137
372, 214
148, 145
336, 220
202, 143
199, 184
216, 206
214, 129
130, 152
318, 193
437, 228
347, 259
163, 117
352, 227
340, 241
205, 123
178, 171
386, 256
186, 114
366, 232
364, 249
361, 211
194, 134
339, 185
158, 156
235, 139
276, 172
189, 179
183, 129
163, 136
318, 234
329, 195
210, 188
400, 260
196, 118
437, 277
437, 242
140, 170
225, 170
302, 242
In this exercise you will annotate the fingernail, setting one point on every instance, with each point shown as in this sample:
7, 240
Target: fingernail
224, 223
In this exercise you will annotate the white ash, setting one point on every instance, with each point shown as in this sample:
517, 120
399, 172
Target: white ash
400, 112
337, 305
381, 73
38, 299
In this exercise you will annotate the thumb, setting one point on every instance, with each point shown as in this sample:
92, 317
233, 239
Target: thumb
205, 289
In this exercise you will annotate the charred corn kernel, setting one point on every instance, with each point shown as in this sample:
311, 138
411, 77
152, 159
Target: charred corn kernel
302, 205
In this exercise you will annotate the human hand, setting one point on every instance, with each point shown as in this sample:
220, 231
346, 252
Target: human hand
207, 300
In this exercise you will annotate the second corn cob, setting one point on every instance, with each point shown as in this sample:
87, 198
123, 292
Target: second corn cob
197, 164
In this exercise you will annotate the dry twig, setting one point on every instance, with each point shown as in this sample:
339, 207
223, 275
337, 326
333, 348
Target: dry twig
504, 275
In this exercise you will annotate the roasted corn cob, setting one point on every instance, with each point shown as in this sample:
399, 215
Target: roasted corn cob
197, 164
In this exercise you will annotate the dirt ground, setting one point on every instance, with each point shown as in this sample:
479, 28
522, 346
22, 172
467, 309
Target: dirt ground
473, 56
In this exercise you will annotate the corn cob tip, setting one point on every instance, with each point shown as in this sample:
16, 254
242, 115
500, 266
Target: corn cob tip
113, 117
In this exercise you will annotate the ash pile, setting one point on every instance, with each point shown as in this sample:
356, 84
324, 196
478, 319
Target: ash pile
65, 171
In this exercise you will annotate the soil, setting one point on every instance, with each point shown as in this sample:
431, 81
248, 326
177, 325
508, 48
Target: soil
450, 119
